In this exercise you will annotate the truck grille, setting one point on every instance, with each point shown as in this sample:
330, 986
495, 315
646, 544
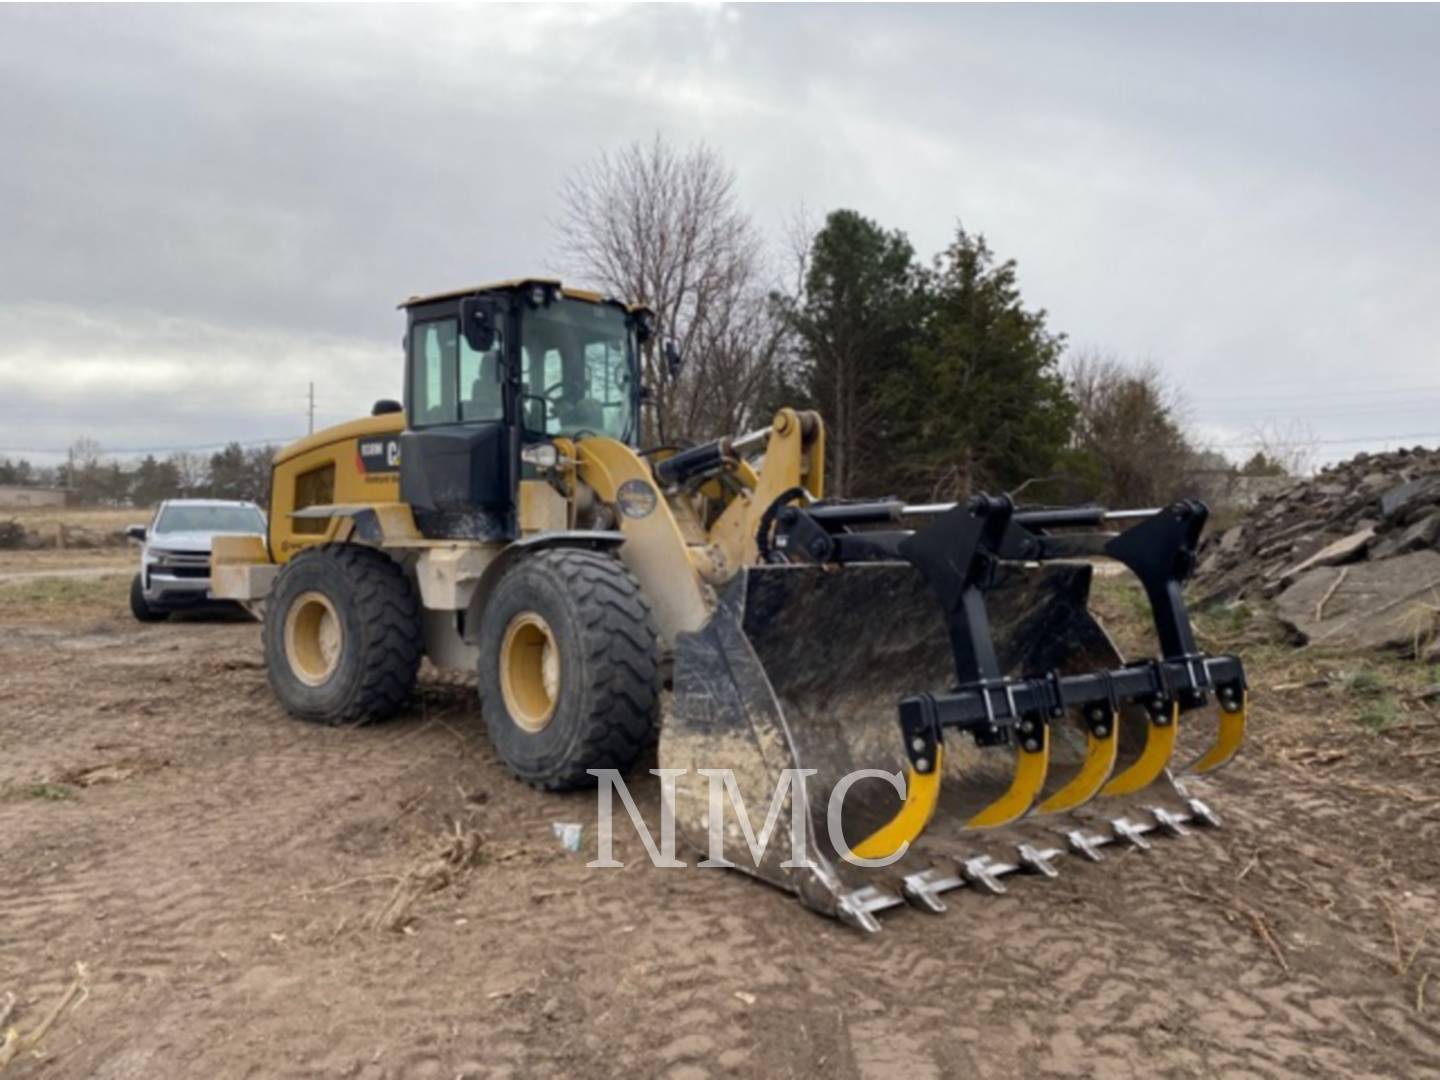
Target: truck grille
183, 564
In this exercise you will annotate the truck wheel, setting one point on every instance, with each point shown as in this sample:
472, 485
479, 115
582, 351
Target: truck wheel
139, 608
567, 667
342, 635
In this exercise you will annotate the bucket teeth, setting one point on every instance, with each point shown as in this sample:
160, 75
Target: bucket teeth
1200, 814
986, 872
1173, 824
857, 908
923, 888
1086, 844
1039, 860
1134, 834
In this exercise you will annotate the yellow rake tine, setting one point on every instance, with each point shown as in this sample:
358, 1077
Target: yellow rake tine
1159, 745
1227, 742
1030, 769
1099, 763
922, 791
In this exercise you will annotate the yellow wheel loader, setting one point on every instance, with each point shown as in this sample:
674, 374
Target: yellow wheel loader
918, 693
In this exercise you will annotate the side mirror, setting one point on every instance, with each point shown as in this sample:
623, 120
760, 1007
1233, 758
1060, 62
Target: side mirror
477, 323
136, 532
673, 359
645, 327
385, 406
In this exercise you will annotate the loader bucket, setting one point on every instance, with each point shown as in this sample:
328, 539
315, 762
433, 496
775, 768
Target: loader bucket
801, 667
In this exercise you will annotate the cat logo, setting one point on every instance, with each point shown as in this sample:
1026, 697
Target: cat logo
380, 455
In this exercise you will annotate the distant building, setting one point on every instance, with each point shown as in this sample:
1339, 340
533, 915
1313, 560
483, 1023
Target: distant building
1226, 489
13, 496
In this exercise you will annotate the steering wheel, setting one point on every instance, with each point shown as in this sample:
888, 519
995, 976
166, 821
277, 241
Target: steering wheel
549, 394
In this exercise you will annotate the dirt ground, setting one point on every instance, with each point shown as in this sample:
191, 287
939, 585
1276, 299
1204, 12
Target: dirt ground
218, 870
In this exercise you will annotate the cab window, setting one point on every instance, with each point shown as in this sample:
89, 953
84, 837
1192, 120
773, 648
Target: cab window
450, 382
578, 357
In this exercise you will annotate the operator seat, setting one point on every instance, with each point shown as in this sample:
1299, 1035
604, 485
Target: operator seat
486, 399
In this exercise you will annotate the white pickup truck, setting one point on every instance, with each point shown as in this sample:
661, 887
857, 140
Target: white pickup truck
175, 553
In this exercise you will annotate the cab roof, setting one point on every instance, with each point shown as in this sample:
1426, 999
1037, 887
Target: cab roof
513, 284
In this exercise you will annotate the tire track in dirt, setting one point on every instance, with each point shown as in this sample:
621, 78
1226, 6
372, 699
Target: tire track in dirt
198, 894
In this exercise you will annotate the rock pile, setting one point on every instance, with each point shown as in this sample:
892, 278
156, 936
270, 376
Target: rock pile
1349, 558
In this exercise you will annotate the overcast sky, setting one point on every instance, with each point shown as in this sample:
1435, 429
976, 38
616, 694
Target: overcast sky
204, 209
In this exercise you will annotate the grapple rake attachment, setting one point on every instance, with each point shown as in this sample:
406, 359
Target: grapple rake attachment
1014, 709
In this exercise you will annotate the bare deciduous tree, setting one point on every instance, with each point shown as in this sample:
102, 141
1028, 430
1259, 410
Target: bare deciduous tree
1291, 446
1129, 426
193, 470
655, 224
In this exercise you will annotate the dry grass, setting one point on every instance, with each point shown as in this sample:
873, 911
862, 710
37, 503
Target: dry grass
62, 599
458, 850
125, 558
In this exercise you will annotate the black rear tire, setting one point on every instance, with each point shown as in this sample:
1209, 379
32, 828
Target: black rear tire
139, 608
603, 713
374, 613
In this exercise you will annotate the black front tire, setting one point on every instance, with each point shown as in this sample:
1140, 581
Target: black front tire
378, 615
142, 611
604, 711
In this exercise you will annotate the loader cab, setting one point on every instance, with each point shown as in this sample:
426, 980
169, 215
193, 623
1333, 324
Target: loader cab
492, 370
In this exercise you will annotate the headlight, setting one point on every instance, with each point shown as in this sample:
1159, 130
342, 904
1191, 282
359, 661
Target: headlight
541, 455
537, 296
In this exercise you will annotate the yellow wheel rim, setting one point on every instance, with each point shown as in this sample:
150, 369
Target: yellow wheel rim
530, 671
313, 638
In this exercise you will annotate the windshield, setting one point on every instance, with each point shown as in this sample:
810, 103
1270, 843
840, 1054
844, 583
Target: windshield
216, 519
577, 356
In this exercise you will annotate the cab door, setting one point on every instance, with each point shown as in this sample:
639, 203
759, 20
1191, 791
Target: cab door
458, 467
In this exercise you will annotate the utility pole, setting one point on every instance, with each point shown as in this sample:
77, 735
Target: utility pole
312, 408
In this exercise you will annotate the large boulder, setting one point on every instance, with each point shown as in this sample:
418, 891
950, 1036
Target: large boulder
1346, 549
1392, 604
1422, 492
1425, 533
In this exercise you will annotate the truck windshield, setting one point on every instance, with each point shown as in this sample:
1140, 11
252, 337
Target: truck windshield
579, 357
212, 519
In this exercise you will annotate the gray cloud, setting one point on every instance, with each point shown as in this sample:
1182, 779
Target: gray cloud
203, 209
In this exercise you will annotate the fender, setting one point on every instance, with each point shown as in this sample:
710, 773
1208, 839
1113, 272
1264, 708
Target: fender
587, 539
